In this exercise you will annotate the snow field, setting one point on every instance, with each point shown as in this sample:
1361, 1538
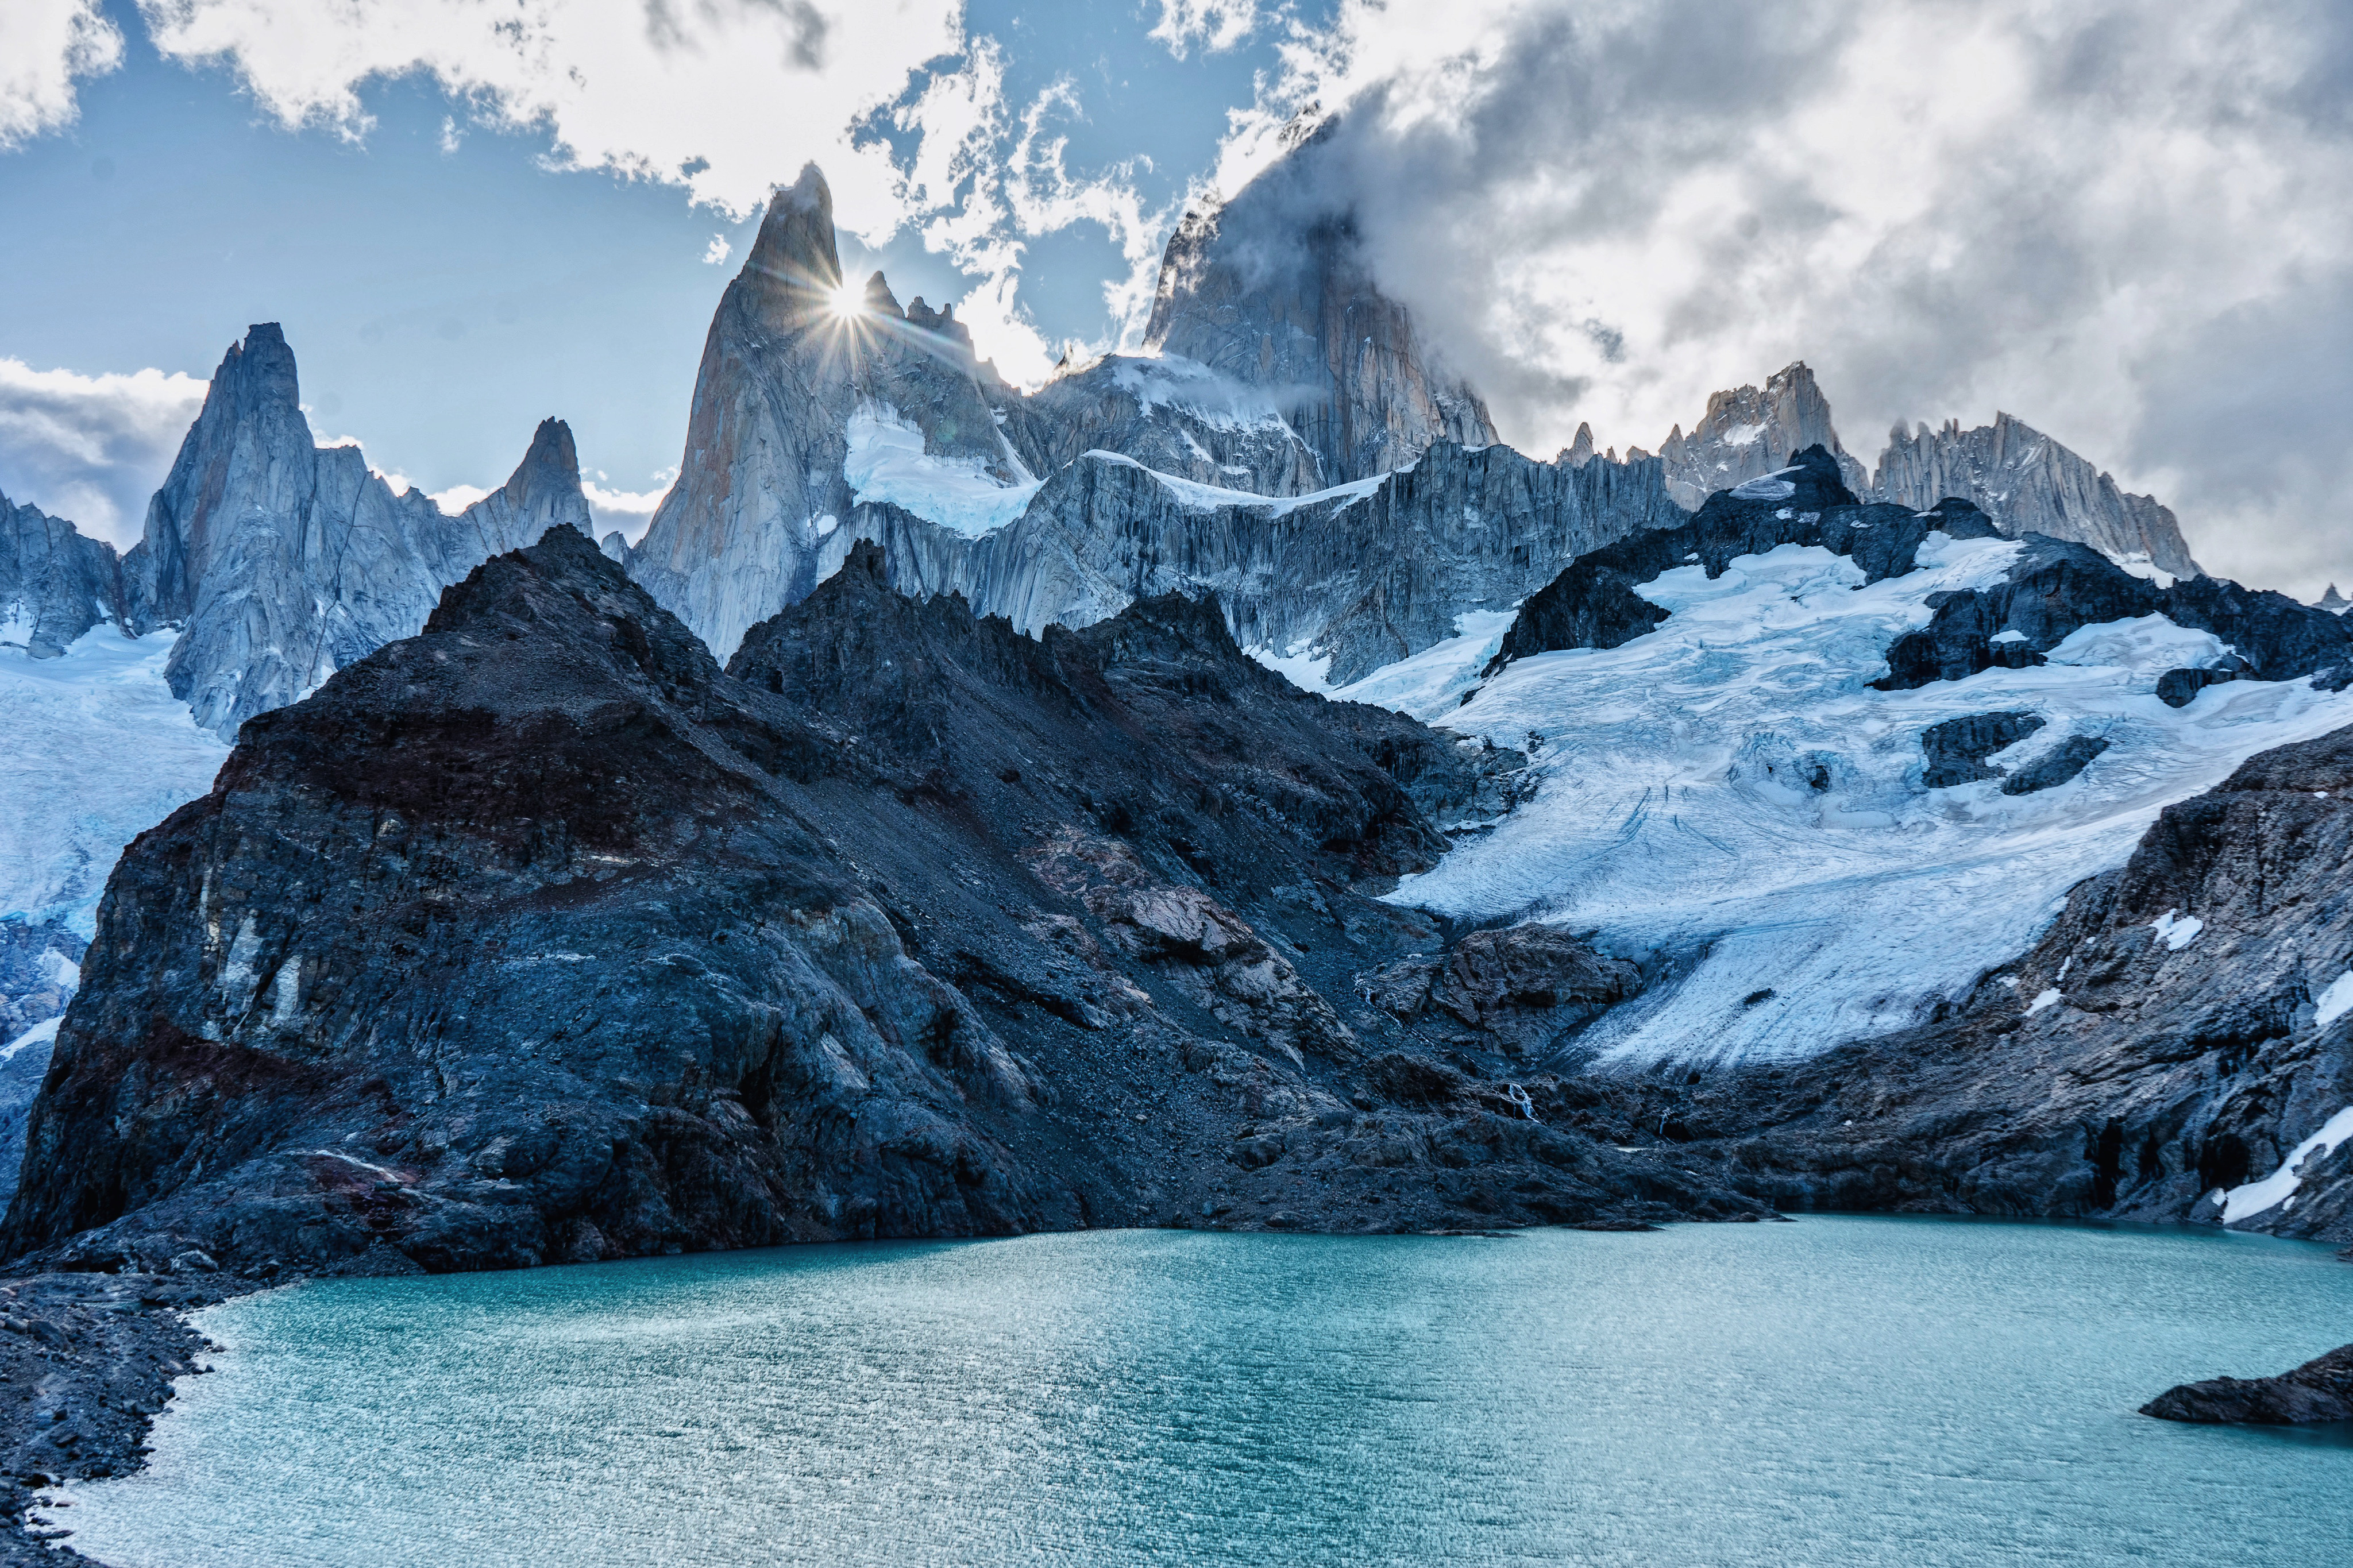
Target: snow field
1728, 799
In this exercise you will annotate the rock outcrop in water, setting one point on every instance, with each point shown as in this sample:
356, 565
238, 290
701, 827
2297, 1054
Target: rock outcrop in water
281, 560
538, 937
2319, 1390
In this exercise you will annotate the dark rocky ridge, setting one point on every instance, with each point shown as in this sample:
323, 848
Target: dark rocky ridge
2054, 588
2319, 1390
2106, 1074
536, 937
1592, 602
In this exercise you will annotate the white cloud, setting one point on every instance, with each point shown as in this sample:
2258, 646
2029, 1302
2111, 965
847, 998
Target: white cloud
1215, 24
91, 449
717, 251
631, 511
45, 46
722, 97
1606, 211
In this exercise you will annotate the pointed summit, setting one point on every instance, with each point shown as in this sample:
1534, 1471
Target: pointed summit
2335, 603
794, 267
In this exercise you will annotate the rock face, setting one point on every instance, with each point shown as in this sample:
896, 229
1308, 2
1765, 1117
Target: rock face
788, 365
2029, 483
1744, 433
2161, 1049
280, 561
1271, 289
1593, 603
2319, 1390
55, 584
538, 937
1279, 370
1363, 577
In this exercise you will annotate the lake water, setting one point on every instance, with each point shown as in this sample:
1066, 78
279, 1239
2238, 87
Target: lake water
1833, 1391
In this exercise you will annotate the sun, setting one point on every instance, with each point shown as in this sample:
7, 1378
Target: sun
844, 300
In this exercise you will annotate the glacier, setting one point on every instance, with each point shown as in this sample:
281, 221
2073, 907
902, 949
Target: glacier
1729, 802
99, 751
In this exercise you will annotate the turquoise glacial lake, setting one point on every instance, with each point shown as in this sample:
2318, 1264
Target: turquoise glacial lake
1834, 1391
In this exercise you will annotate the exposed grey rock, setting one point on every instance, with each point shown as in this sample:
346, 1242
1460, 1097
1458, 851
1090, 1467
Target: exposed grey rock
537, 937
761, 483
55, 584
1271, 288
2056, 767
2029, 483
1178, 417
38, 972
1956, 750
280, 561
2335, 603
2124, 1068
1746, 434
2319, 1390
1366, 577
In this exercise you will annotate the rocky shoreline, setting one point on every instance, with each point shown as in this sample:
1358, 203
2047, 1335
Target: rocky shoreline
89, 1359
2321, 1390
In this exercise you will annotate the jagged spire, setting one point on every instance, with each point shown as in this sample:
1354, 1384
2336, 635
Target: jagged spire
793, 264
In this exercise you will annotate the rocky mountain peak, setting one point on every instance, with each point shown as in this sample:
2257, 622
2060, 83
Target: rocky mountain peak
794, 266
2334, 602
1747, 429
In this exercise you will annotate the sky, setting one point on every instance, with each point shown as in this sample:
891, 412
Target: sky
2129, 223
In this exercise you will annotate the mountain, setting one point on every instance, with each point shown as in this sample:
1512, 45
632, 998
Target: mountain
55, 584
2031, 484
1815, 766
2177, 1045
808, 403
1272, 289
1746, 433
278, 561
2024, 480
538, 937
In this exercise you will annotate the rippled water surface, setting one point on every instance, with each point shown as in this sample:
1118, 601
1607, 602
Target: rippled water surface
1828, 1392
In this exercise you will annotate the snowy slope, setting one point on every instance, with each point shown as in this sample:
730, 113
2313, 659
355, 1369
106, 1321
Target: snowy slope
98, 750
887, 462
1678, 816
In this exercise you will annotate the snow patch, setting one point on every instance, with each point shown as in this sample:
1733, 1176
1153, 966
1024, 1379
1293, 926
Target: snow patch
1727, 795
1766, 487
2049, 998
2145, 644
1194, 389
2136, 563
60, 971
2175, 933
98, 750
2334, 1002
1199, 497
1304, 668
2279, 1187
886, 463
41, 1034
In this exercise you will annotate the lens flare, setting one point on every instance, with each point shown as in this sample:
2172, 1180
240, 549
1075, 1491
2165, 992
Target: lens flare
845, 301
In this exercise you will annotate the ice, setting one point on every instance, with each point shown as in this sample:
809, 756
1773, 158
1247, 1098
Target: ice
2138, 563
1766, 487
41, 1034
1218, 401
886, 463
1743, 434
1199, 497
1727, 796
1299, 666
98, 750
2048, 998
2279, 1187
2176, 934
60, 971
1434, 681
2146, 645
2334, 1002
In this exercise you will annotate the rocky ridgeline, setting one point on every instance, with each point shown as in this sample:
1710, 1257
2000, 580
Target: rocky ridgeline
536, 937
278, 561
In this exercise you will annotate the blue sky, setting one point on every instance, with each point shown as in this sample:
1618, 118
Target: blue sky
442, 298
2130, 227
